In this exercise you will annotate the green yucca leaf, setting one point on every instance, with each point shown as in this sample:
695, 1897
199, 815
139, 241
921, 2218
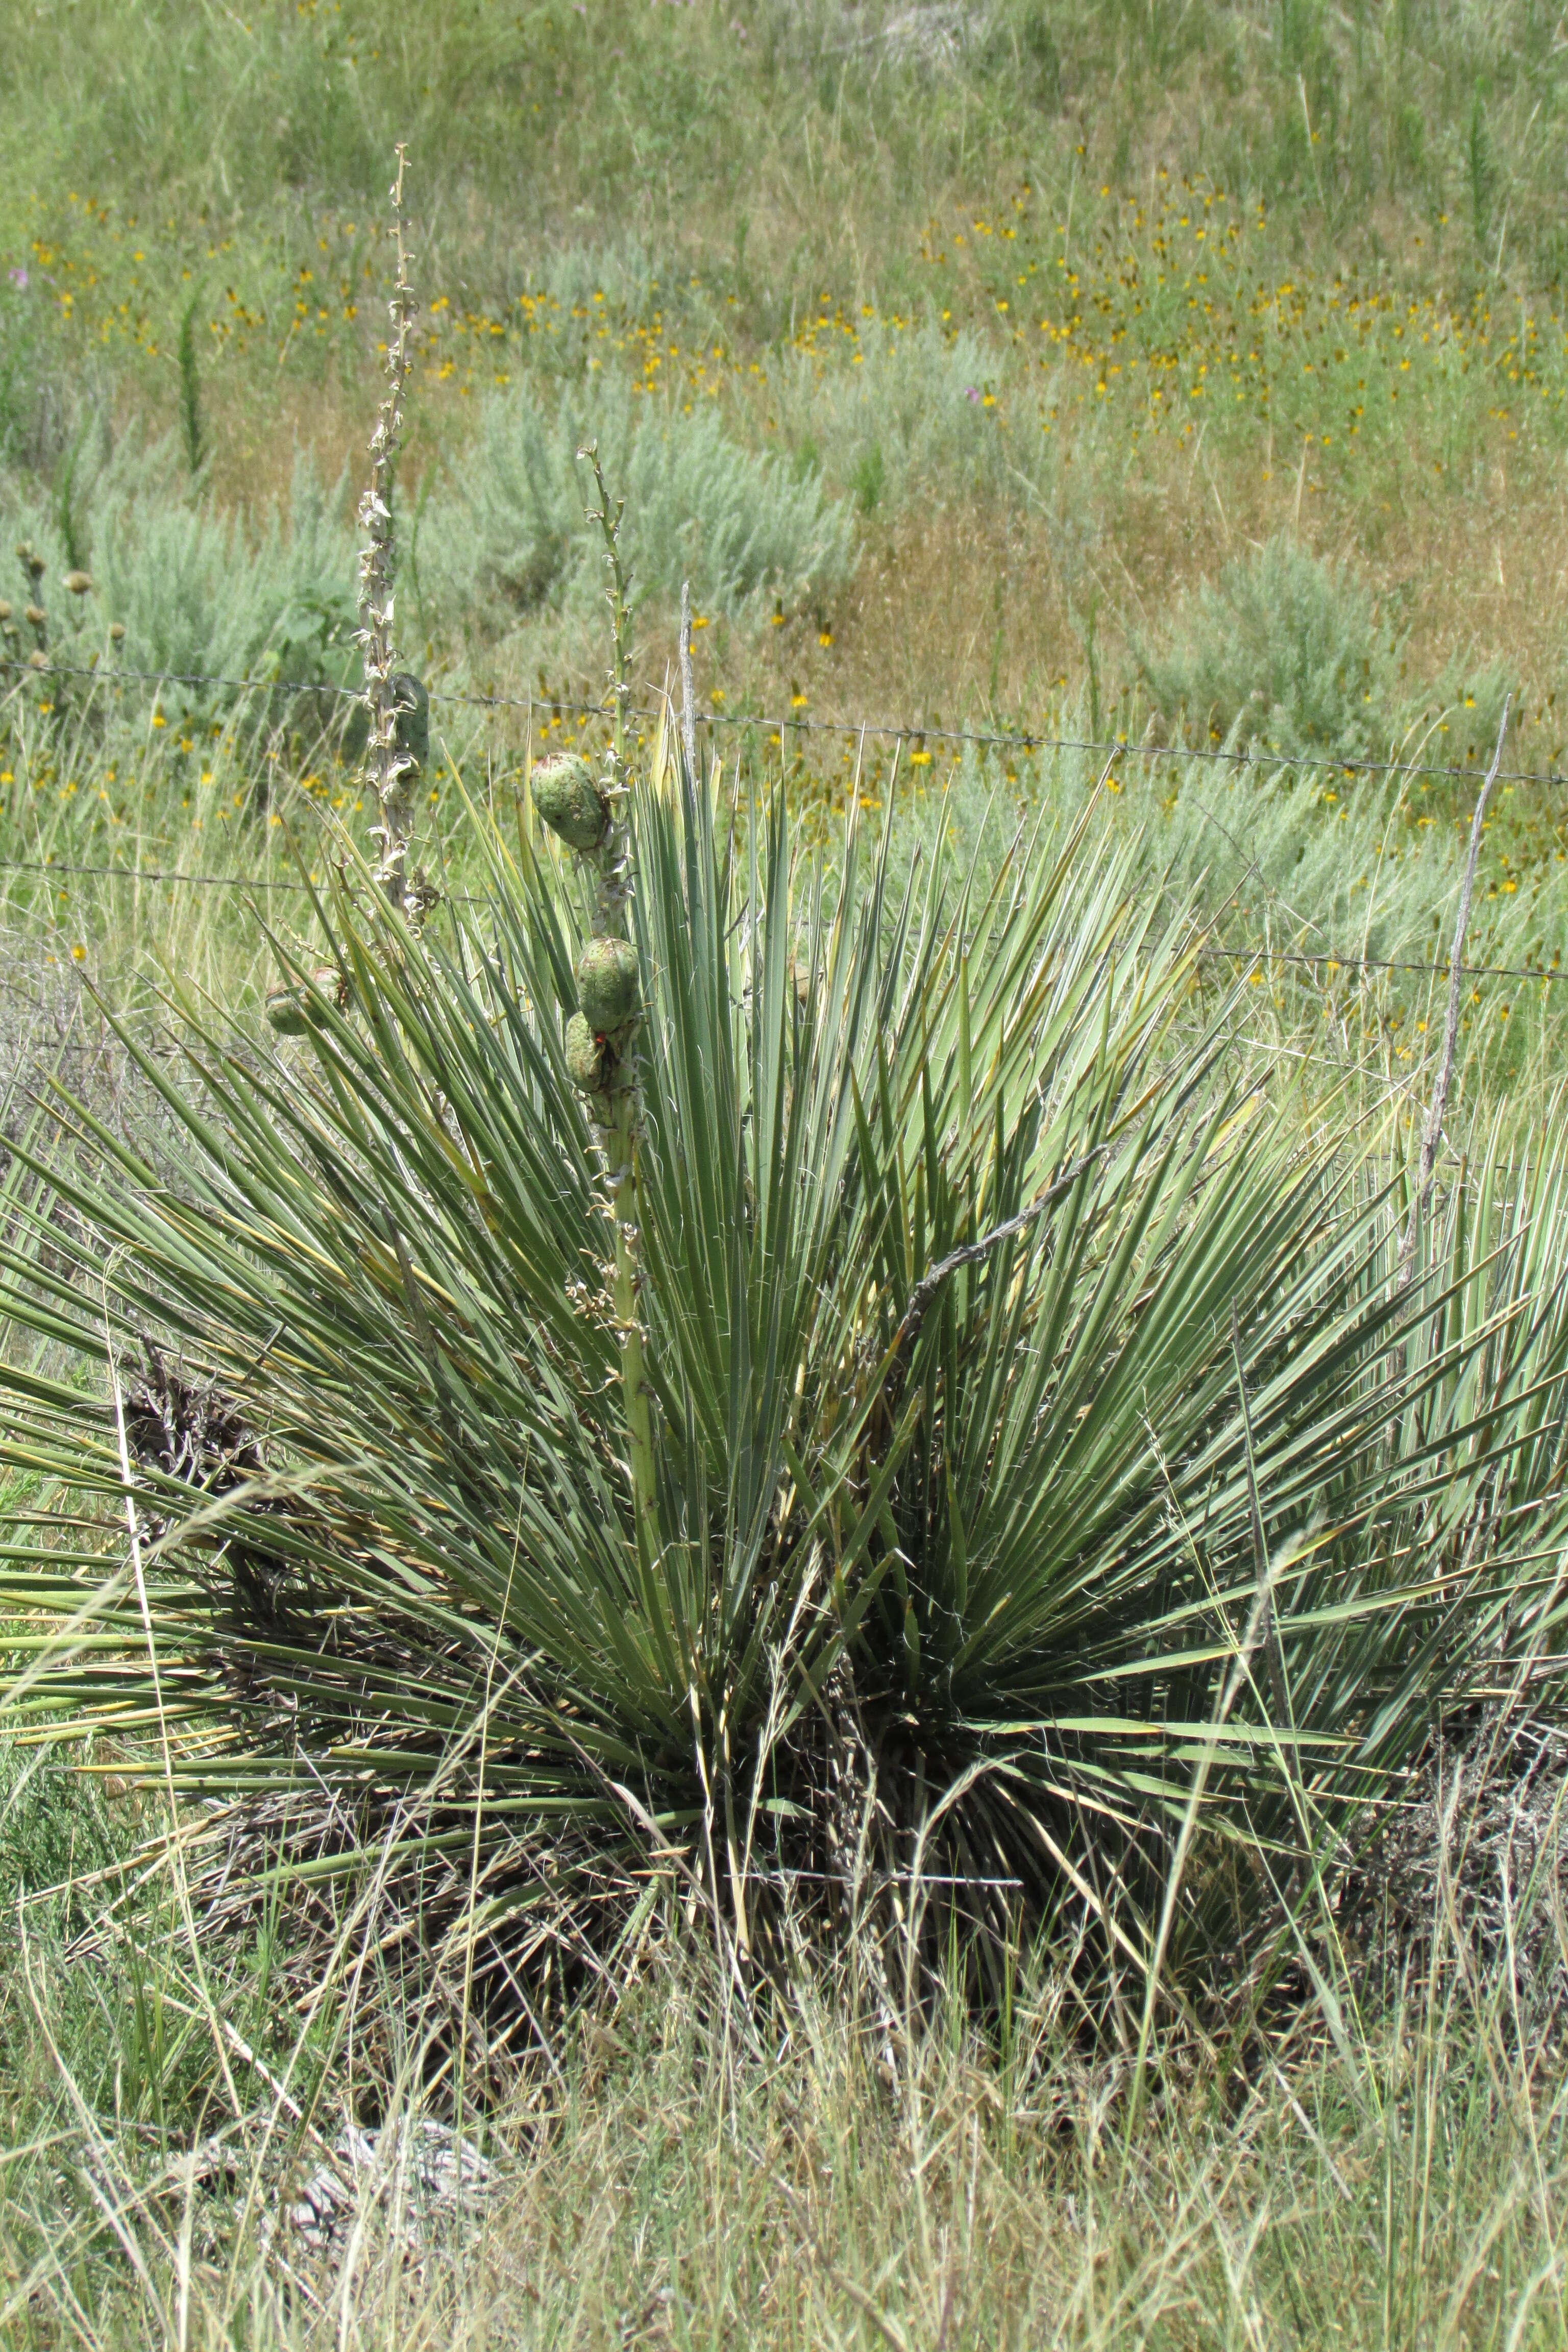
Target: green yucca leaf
945, 1216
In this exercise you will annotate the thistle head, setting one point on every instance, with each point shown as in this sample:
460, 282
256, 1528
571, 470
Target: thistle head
569, 802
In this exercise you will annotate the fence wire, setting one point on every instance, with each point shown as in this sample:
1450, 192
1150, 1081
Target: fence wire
891, 730
1328, 961
1325, 962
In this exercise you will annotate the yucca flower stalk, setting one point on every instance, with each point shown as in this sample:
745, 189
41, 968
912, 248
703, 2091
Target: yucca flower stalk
591, 815
397, 702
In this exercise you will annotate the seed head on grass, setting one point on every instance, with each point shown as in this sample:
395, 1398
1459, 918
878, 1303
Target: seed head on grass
190, 390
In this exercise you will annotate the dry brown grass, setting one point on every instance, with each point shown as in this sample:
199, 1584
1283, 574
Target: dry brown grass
967, 616
1388, 2176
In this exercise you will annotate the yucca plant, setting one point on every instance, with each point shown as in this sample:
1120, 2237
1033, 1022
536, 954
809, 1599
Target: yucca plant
897, 1411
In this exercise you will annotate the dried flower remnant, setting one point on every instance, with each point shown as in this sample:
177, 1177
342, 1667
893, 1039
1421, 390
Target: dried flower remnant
398, 706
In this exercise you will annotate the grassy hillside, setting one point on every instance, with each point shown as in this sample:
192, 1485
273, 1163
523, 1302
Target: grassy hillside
1061, 309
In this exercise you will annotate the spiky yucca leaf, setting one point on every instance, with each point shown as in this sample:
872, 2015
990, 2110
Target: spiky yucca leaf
947, 1223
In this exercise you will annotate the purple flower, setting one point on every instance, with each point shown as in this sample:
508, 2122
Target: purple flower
18, 276
970, 393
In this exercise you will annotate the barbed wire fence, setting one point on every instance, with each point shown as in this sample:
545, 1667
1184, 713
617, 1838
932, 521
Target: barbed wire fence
1323, 962
908, 730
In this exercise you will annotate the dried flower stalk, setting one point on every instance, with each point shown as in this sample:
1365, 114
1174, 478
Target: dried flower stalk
392, 760
688, 694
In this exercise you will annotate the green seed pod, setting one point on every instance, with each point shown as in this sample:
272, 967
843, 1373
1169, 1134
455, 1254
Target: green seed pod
79, 583
286, 1012
292, 1011
607, 985
569, 800
587, 1056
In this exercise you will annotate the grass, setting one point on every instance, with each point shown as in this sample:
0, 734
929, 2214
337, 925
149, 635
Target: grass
1386, 2168
115, 808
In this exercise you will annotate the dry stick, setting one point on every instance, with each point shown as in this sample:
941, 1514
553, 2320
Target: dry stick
1433, 1135
478, 1811
688, 714
971, 1253
313, 2004
1261, 1626
1262, 1608
388, 765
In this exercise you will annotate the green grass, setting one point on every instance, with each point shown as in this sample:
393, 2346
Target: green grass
914, 503
108, 812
